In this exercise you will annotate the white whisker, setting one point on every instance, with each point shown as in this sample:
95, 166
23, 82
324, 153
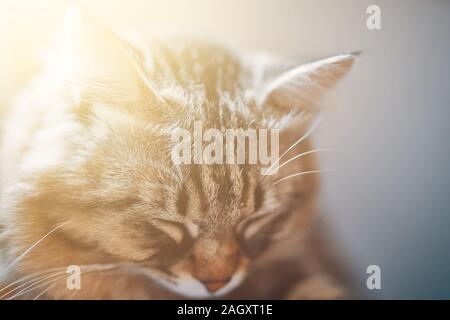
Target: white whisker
48, 288
35, 244
32, 286
306, 153
91, 268
31, 276
318, 120
38, 275
155, 274
299, 174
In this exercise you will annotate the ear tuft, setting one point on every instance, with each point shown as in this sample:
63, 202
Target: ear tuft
302, 87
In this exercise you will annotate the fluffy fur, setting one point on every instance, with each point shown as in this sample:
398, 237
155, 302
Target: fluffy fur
86, 154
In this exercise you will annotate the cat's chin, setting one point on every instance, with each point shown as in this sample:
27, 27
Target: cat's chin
188, 286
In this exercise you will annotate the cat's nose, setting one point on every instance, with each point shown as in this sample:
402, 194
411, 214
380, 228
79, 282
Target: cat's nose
215, 285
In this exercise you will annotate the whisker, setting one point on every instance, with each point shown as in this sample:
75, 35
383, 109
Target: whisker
31, 276
316, 123
56, 282
37, 280
38, 284
35, 244
32, 286
104, 272
48, 288
155, 274
306, 153
299, 174
38, 275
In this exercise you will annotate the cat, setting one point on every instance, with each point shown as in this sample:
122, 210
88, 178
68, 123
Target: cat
87, 178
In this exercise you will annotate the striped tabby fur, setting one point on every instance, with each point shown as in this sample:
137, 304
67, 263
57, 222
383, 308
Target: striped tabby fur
86, 153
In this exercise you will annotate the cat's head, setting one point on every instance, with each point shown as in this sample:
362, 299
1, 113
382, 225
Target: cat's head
114, 186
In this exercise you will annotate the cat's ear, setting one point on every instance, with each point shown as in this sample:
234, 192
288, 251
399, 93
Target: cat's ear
96, 62
302, 86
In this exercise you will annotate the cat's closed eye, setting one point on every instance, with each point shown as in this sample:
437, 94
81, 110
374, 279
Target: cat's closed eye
166, 240
256, 233
177, 231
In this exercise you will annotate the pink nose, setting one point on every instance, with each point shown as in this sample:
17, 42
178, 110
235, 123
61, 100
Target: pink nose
215, 285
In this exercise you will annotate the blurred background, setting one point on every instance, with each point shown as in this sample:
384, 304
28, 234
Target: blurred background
389, 202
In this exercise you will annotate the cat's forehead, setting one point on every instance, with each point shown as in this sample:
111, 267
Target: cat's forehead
140, 161
191, 62
220, 193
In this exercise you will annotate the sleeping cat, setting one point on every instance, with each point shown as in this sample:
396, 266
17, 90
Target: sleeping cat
87, 177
